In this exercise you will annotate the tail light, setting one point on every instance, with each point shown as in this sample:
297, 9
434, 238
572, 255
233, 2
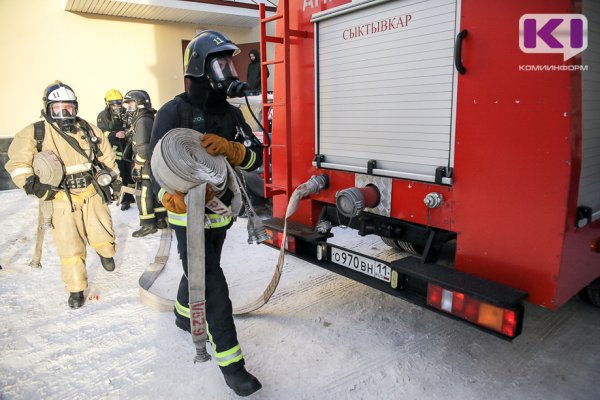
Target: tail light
276, 238
505, 321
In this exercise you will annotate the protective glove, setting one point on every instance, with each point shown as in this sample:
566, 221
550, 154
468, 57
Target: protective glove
116, 186
174, 202
216, 145
210, 194
41, 190
136, 174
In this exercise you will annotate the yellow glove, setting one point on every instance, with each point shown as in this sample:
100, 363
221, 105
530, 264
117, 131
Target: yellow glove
216, 145
174, 202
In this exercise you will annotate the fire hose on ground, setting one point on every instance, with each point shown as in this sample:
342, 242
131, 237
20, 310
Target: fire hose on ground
181, 164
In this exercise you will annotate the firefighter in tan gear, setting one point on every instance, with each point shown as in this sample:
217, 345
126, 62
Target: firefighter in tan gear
80, 212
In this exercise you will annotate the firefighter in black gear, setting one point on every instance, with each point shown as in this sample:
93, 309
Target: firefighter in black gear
210, 78
110, 121
138, 106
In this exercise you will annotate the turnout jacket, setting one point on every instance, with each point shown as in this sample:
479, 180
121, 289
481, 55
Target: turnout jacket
23, 148
111, 125
142, 129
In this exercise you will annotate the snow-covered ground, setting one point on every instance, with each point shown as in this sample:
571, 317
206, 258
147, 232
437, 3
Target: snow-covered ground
322, 336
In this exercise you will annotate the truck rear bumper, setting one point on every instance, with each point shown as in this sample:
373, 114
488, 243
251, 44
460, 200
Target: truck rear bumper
442, 289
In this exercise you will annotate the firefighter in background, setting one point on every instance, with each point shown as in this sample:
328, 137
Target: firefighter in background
110, 121
80, 212
138, 106
210, 76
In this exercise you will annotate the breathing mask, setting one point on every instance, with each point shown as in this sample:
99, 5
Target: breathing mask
223, 76
64, 113
116, 108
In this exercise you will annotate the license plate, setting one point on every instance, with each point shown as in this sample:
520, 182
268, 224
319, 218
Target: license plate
365, 265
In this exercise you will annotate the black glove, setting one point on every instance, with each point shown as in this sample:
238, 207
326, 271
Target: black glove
116, 186
41, 190
136, 174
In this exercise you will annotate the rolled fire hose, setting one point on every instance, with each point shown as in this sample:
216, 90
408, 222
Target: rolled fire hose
49, 170
182, 164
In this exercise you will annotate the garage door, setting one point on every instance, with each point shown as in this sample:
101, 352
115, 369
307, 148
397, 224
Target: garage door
386, 87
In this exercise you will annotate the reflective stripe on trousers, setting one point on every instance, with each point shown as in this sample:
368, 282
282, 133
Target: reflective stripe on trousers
224, 358
227, 357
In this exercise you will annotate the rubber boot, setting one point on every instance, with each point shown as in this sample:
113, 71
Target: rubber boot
242, 382
107, 263
144, 231
125, 206
76, 299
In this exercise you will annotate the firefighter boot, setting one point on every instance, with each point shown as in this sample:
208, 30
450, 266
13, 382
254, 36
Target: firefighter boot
242, 382
125, 206
144, 231
76, 299
183, 324
108, 263
162, 224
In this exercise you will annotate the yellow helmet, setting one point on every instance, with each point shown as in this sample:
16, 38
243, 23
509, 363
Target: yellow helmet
113, 96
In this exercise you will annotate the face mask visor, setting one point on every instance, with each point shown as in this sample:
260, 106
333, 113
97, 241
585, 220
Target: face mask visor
223, 76
130, 106
221, 68
61, 110
116, 106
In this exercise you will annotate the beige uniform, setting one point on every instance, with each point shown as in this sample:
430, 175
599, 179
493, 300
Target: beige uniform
90, 221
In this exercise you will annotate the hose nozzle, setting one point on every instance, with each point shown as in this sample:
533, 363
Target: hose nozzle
256, 230
201, 355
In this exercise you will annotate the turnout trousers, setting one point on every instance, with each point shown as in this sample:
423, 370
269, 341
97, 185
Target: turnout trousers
219, 312
150, 209
90, 222
125, 170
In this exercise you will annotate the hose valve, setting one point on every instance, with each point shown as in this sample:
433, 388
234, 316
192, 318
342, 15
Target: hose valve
433, 200
350, 202
314, 185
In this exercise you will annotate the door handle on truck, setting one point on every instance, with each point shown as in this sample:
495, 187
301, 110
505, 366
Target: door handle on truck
458, 52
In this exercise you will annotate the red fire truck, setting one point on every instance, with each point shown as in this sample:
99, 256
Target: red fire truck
436, 124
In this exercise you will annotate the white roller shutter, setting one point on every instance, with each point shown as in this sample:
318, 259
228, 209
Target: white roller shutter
589, 183
386, 87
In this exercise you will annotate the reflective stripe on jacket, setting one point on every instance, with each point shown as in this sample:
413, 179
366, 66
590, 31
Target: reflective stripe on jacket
210, 220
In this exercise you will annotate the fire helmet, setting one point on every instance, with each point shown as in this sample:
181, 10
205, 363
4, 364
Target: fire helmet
205, 43
137, 99
58, 92
113, 96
